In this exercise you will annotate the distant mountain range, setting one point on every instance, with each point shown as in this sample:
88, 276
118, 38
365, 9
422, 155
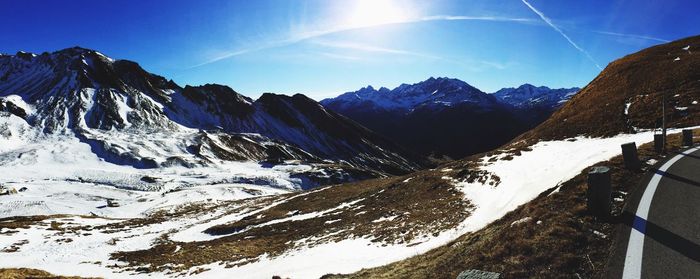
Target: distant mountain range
449, 117
132, 117
529, 96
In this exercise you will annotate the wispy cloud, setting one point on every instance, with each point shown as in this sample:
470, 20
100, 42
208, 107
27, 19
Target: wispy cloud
632, 36
306, 35
371, 48
340, 56
468, 64
556, 28
481, 18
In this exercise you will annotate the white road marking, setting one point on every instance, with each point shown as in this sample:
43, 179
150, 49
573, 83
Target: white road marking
635, 247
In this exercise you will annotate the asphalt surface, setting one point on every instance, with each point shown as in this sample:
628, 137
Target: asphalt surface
665, 244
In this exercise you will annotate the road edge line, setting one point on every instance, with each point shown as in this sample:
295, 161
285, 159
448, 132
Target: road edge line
635, 247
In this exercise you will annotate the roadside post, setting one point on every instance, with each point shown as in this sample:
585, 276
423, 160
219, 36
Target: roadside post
629, 154
599, 192
658, 143
688, 137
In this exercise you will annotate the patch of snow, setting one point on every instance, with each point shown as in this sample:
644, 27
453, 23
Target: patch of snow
290, 213
526, 176
600, 234
385, 219
104, 56
520, 221
18, 101
311, 215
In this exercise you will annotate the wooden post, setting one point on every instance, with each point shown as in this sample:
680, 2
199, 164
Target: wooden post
687, 137
599, 192
629, 154
658, 143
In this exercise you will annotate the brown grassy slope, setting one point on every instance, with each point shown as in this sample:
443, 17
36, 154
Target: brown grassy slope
639, 78
423, 205
21, 273
567, 242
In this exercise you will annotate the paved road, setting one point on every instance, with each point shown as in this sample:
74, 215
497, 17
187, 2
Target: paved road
661, 238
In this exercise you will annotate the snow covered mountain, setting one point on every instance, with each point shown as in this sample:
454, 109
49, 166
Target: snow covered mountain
131, 117
434, 92
535, 104
448, 117
530, 96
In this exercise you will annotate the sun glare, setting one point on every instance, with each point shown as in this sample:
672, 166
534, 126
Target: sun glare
366, 13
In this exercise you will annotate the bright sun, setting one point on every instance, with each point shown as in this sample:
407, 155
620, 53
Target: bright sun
365, 13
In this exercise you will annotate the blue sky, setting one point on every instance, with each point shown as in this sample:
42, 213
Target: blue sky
322, 48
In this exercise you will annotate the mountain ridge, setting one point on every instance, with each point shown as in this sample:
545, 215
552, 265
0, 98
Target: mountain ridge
108, 103
626, 96
448, 117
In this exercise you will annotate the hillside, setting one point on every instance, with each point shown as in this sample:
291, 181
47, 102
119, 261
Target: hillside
131, 117
552, 236
626, 96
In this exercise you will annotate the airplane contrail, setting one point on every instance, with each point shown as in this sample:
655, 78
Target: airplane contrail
549, 22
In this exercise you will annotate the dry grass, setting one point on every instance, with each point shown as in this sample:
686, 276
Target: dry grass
640, 79
554, 236
25, 273
424, 205
24, 222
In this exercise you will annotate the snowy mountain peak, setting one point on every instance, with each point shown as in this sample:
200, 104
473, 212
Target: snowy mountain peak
433, 91
367, 88
528, 95
132, 117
